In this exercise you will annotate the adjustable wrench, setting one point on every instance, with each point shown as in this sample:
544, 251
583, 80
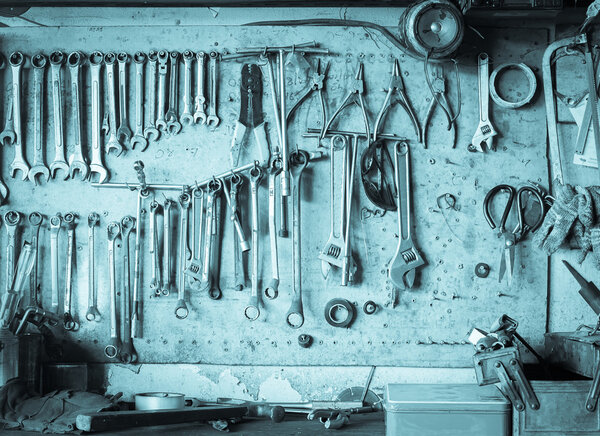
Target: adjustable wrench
213, 205
163, 59
155, 283
35, 221
112, 349
214, 84
208, 228
39, 167
252, 311
96, 165
69, 321
238, 254
123, 132
139, 59
11, 221
167, 266
92, 312
272, 290
19, 163
136, 329
8, 134
57, 59
151, 133
193, 271
174, 126
200, 99
128, 354
485, 130
76, 160
113, 141
187, 117
55, 223
181, 310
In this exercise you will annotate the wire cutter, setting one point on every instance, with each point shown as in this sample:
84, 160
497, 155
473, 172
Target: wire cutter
438, 85
397, 85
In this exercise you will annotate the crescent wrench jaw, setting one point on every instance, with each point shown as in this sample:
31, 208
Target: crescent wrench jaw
143, 142
81, 166
200, 116
151, 134
19, 166
174, 127
9, 135
186, 119
213, 119
100, 170
59, 165
37, 171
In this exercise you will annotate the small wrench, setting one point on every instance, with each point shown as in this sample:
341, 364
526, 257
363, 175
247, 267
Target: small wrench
193, 271
181, 310
76, 160
57, 59
128, 354
69, 322
151, 133
112, 349
19, 163
187, 117
174, 126
139, 59
96, 165
238, 255
155, 283
167, 232
200, 99
55, 223
214, 84
485, 132
252, 311
35, 221
11, 221
92, 313
39, 167
272, 290
113, 141
136, 315
123, 131
8, 134
163, 59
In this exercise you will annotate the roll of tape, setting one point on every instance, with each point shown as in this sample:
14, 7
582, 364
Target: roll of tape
530, 78
332, 309
159, 401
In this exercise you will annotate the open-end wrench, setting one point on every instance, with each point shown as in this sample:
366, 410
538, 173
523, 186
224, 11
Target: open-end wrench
485, 132
128, 354
139, 59
151, 133
11, 221
163, 68
35, 221
214, 85
252, 311
167, 232
181, 310
187, 117
69, 321
113, 141
210, 208
215, 269
200, 99
57, 59
19, 162
295, 314
173, 125
55, 223
112, 349
238, 254
76, 160
155, 282
272, 290
96, 164
39, 167
123, 132
92, 312
194, 269
8, 133
136, 314
235, 218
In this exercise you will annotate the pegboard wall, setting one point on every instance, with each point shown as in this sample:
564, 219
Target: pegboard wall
429, 324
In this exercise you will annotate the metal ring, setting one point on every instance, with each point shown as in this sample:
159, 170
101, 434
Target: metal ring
333, 306
530, 78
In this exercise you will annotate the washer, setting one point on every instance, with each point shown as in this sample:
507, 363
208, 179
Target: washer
530, 78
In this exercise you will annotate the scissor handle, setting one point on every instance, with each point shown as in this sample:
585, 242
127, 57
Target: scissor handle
488, 200
523, 226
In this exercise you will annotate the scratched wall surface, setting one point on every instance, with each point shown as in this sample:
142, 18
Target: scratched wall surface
429, 323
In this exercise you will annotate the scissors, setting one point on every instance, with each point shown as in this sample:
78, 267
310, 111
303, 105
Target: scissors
530, 210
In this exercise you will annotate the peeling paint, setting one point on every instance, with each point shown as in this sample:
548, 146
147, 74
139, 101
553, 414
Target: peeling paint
276, 389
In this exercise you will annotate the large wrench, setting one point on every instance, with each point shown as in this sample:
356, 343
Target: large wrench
136, 315
214, 84
187, 117
11, 221
39, 167
96, 164
112, 349
128, 354
92, 313
113, 141
173, 126
55, 223
19, 163
76, 160
181, 310
485, 130
151, 133
208, 228
163, 68
238, 254
57, 59
239, 230
252, 311
69, 321
200, 99
193, 271
295, 314
272, 290
155, 282
139, 59
215, 270
35, 221
123, 131
167, 266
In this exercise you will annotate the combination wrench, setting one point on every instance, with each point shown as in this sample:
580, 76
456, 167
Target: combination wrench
113, 141
8, 133
57, 59
136, 321
69, 322
155, 282
214, 84
96, 164
55, 224
35, 222
200, 99
252, 311
208, 227
238, 254
39, 167
128, 354
19, 162
210, 269
92, 313
112, 349
151, 133
139, 59
167, 264
272, 290
173, 126
76, 160
11, 221
123, 131
187, 117
181, 310
485, 132
193, 271
163, 68
215, 271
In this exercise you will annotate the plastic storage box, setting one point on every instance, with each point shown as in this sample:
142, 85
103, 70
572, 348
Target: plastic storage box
446, 410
